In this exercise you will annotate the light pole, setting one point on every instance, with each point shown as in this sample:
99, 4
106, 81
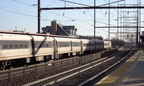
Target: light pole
39, 16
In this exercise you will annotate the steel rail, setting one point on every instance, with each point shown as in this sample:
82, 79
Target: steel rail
32, 83
74, 71
92, 78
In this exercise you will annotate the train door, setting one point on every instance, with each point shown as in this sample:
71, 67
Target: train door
32, 47
81, 45
95, 45
71, 45
56, 56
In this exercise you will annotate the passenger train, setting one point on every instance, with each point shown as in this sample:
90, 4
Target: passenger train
20, 49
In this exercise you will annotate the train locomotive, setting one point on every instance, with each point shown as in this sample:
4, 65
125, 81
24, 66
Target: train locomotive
21, 49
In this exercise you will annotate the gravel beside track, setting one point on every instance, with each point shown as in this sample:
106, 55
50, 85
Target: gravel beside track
20, 76
77, 79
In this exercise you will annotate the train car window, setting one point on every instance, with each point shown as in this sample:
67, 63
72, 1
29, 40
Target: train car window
44, 45
10, 46
64, 44
16, 46
75, 44
92, 44
25, 46
86, 44
47, 45
40, 44
5, 46
21, 46
35, 44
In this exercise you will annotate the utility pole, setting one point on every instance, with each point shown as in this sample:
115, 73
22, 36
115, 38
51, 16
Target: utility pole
39, 16
137, 28
118, 22
109, 21
139, 12
94, 24
94, 19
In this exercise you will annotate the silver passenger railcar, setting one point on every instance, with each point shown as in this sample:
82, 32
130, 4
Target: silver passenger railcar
20, 49
99, 45
42, 48
14, 47
76, 46
107, 45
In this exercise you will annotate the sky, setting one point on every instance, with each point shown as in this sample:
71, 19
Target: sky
22, 15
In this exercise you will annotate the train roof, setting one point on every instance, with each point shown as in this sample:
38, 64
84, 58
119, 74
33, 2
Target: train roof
49, 35
36, 34
91, 37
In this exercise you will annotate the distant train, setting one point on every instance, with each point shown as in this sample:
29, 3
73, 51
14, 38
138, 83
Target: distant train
20, 49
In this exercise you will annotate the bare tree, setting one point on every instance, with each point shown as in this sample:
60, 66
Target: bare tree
117, 42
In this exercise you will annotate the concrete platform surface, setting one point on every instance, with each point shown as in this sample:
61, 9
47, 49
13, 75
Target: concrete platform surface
135, 77
131, 73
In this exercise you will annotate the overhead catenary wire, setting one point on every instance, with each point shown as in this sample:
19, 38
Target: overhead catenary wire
89, 5
90, 15
52, 3
23, 3
32, 6
13, 10
75, 3
55, 13
51, 12
10, 10
81, 20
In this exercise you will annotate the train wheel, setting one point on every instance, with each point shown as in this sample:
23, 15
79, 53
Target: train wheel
3, 65
46, 58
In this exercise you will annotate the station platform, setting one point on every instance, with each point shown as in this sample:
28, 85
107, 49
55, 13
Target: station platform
131, 73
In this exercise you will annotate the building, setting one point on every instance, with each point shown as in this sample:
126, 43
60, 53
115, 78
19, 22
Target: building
58, 29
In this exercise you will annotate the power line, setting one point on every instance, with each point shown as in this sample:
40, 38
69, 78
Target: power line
74, 2
52, 2
111, 2
91, 15
33, 6
51, 12
42, 18
12, 10
23, 3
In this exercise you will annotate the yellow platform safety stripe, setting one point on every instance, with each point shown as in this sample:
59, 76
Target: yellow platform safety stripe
117, 75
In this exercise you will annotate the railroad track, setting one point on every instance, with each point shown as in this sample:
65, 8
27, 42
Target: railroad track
21, 75
71, 77
64, 75
92, 79
53, 73
82, 79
